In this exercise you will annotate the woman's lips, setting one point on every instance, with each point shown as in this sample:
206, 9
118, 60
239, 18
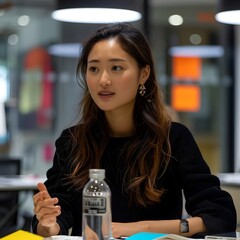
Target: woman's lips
105, 94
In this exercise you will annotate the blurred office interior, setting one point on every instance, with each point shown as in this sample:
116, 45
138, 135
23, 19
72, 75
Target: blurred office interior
39, 94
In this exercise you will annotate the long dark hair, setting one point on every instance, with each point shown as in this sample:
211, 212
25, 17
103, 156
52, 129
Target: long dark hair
149, 145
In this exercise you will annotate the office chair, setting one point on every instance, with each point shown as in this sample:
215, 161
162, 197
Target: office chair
9, 199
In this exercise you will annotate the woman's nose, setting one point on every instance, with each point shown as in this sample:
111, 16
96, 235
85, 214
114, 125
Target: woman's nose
105, 80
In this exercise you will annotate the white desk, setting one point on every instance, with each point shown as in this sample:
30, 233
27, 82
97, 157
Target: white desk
20, 183
229, 179
230, 182
24, 186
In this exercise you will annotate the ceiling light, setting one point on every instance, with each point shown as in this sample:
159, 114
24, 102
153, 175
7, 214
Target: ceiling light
23, 20
203, 51
95, 11
228, 12
195, 39
69, 50
175, 20
13, 39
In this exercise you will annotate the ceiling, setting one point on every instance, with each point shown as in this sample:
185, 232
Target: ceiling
193, 11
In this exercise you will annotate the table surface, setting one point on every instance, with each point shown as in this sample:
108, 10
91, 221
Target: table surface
29, 182
230, 179
20, 182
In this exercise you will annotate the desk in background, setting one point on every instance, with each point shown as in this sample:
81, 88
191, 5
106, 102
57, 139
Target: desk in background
20, 182
230, 182
24, 186
230, 179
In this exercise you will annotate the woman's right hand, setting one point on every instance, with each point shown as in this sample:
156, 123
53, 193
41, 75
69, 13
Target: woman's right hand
46, 212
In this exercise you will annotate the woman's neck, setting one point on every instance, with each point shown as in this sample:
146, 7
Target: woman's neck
121, 125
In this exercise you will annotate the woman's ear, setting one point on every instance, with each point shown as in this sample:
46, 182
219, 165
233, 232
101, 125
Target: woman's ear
145, 72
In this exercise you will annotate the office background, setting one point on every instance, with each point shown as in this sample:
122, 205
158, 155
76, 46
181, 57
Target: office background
36, 118
39, 94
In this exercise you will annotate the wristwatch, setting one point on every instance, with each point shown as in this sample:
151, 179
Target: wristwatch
183, 226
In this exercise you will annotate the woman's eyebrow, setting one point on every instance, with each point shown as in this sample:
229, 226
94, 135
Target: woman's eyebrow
93, 61
110, 60
117, 60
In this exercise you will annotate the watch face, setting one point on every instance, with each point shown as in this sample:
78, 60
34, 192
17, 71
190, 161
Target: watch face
184, 227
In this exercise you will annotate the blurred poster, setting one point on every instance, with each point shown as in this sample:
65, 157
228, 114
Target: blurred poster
36, 91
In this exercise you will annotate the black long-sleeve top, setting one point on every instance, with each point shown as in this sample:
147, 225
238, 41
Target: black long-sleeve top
186, 171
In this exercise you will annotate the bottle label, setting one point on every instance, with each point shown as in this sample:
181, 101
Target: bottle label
94, 205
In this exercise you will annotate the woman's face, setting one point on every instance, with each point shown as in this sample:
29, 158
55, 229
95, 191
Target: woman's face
113, 76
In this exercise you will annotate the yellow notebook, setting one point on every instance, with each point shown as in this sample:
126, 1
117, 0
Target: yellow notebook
22, 235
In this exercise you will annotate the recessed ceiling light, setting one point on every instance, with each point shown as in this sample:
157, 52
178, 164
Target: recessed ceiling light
195, 39
13, 39
175, 20
23, 20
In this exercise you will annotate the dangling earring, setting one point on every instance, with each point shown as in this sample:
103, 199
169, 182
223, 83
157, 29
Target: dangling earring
142, 90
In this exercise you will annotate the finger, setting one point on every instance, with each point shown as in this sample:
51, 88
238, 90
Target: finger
40, 197
48, 217
48, 210
42, 188
46, 204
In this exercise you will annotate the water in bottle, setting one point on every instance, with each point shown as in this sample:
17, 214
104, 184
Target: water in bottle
96, 214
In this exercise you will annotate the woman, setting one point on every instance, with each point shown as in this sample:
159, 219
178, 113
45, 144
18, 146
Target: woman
148, 159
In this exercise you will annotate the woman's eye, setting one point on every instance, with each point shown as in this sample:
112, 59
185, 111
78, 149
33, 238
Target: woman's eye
116, 68
92, 69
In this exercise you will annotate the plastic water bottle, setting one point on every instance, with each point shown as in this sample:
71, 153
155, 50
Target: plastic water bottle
96, 212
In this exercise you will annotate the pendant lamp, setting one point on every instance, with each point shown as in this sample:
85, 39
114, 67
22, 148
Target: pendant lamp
97, 11
228, 12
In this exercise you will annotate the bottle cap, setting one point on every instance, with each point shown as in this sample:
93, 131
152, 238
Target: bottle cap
97, 173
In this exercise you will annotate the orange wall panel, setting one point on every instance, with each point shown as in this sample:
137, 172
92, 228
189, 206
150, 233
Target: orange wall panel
186, 98
187, 68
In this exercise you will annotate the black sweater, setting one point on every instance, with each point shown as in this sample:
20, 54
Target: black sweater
187, 171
